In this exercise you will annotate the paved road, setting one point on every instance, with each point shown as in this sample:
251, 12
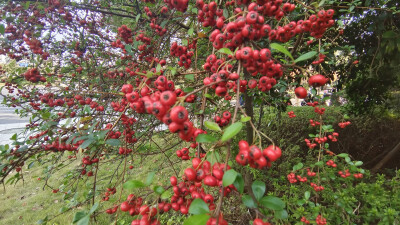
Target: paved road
10, 123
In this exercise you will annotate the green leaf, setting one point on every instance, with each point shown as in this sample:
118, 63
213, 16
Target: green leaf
184, 42
229, 177
282, 49
31, 165
213, 157
248, 201
212, 126
205, 138
197, 220
166, 194
94, 207
313, 91
137, 17
190, 31
132, 184
78, 216
225, 51
305, 56
258, 188
158, 189
389, 34
320, 163
113, 142
231, 131
86, 143
358, 163
150, 178
188, 89
2, 29
306, 195
158, 68
198, 206
245, 119
190, 77
173, 70
281, 214
163, 23
321, 3
84, 221
298, 166
343, 155
239, 183
272, 202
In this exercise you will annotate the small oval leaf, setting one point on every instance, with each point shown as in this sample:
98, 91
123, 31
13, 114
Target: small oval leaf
258, 188
282, 49
272, 202
248, 201
198, 206
212, 125
229, 177
231, 131
205, 138
305, 56
197, 220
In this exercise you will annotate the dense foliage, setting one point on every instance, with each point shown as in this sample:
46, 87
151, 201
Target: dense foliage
116, 82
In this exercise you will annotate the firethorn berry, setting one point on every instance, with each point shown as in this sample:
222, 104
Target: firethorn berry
300, 92
272, 152
320, 220
260, 222
210, 181
179, 114
168, 98
317, 80
304, 220
291, 114
174, 181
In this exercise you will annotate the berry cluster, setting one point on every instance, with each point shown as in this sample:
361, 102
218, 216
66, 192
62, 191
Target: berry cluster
320, 220
160, 105
183, 153
316, 187
333, 136
180, 5
191, 186
345, 173
304, 220
110, 191
125, 33
135, 206
309, 144
310, 173
157, 28
358, 175
185, 56
321, 58
320, 111
207, 12
256, 158
344, 124
331, 163
292, 178
291, 114
314, 123
226, 118
33, 75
